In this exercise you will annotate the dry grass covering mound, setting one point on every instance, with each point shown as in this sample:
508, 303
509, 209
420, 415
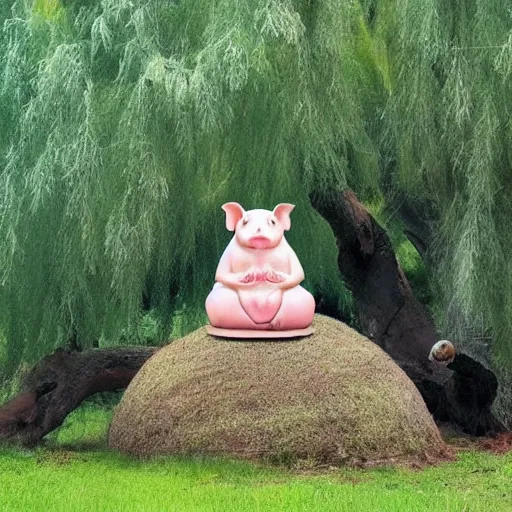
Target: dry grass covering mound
334, 397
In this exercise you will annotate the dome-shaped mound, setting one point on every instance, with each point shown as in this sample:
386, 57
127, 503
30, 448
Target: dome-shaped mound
334, 397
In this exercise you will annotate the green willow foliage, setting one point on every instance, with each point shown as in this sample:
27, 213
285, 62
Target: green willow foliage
449, 137
128, 125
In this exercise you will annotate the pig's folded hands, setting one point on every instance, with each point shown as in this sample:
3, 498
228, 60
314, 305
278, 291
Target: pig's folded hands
264, 275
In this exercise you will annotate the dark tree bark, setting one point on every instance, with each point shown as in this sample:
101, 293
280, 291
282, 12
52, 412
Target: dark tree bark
59, 383
391, 316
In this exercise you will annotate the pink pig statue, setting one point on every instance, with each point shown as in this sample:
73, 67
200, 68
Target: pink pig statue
258, 276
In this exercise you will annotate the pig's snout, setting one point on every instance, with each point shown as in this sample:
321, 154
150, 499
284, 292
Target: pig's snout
260, 233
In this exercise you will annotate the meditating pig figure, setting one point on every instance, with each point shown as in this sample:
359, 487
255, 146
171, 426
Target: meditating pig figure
257, 280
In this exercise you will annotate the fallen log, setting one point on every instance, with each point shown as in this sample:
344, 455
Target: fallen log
60, 382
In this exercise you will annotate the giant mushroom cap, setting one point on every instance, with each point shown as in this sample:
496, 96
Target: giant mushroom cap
332, 398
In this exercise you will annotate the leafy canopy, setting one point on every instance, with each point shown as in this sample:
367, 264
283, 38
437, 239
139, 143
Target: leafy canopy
128, 123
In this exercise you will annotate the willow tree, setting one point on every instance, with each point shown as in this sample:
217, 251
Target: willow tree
130, 122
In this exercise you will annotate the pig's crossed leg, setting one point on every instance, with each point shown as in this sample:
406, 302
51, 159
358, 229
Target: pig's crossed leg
225, 311
296, 312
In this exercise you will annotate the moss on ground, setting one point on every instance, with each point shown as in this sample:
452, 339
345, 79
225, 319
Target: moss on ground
331, 398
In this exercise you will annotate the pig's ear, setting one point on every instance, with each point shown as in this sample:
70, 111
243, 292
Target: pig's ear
282, 213
234, 212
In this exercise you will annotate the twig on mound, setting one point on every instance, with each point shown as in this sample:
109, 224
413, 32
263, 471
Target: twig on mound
59, 383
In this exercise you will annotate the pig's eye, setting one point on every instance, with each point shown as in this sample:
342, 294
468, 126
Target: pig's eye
273, 222
244, 222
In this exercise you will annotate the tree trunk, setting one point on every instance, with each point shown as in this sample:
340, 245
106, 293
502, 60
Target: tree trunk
392, 317
59, 383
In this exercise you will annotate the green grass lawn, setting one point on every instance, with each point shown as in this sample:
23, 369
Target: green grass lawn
75, 471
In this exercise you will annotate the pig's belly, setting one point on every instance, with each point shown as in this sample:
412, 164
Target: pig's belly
261, 303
